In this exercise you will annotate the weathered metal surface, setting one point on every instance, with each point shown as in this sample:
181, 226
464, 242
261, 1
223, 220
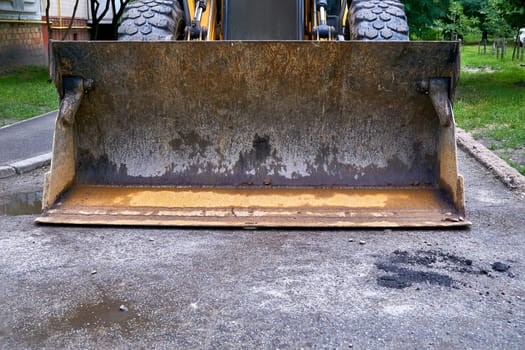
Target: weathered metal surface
63, 166
261, 114
255, 207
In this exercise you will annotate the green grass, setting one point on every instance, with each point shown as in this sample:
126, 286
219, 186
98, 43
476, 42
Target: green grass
490, 103
26, 93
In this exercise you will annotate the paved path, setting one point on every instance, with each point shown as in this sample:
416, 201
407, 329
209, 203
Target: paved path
26, 145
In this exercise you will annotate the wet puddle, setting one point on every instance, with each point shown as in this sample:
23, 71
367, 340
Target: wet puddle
104, 316
106, 313
21, 204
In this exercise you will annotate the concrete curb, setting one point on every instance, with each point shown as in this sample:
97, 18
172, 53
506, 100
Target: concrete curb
7, 171
507, 174
24, 166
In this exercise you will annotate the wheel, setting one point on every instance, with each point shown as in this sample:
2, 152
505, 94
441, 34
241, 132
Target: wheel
377, 20
152, 20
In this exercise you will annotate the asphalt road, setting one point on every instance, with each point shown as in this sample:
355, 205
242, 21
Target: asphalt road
27, 139
65, 286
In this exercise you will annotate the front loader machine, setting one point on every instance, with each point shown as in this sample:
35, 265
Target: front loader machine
304, 126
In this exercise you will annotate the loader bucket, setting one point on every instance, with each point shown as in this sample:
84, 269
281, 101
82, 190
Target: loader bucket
255, 134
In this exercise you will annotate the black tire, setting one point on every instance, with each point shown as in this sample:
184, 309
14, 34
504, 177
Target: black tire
377, 20
152, 20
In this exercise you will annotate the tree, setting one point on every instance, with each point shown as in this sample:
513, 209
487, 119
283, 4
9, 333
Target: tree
71, 21
117, 14
490, 16
472, 8
97, 15
513, 11
496, 16
48, 23
99, 11
493, 21
456, 25
423, 13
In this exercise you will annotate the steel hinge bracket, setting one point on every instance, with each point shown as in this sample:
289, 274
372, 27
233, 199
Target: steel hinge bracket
438, 89
74, 88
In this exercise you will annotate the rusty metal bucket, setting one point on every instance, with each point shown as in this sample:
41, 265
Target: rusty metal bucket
264, 134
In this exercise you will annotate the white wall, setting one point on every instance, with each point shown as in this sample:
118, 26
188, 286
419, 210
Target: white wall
20, 9
64, 8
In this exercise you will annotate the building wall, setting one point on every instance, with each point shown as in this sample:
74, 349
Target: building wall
20, 10
21, 44
78, 31
24, 34
64, 8
60, 13
21, 39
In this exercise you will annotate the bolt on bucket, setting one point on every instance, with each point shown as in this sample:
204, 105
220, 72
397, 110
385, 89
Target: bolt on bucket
258, 134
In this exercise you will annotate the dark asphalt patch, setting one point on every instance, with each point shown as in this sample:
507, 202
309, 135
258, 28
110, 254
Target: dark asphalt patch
427, 267
500, 267
404, 277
